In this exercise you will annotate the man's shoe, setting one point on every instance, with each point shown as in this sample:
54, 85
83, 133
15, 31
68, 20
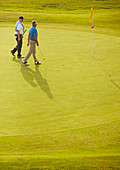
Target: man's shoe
20, 56
12, 53
37, 63
25, 62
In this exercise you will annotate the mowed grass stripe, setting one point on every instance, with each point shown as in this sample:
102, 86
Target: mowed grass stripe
102, 139
61, 163
102, 18
55, 5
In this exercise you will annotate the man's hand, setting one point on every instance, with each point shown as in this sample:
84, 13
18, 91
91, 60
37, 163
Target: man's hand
28, 40
18, 38
35, 38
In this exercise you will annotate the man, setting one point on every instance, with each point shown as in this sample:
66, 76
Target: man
19, 29
32, 40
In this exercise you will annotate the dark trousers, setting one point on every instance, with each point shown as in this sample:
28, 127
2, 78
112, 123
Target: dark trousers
19, 45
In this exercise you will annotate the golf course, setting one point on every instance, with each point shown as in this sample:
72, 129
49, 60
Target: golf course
64, 113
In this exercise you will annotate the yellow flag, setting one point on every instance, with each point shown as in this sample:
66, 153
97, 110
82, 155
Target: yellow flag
91, 15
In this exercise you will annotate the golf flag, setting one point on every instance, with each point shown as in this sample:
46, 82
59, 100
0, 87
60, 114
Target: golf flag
91, 15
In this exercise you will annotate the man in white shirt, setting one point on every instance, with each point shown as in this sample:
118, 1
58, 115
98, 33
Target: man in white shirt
19, 29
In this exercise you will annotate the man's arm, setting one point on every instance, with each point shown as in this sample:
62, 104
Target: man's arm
35, 38
18, 31
28, 40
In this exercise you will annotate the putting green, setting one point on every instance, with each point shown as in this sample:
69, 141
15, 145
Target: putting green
65, 111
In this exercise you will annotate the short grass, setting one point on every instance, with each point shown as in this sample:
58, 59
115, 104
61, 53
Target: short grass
56, 116
63, 114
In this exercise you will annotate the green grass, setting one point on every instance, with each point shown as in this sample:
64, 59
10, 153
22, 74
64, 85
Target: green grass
106, 13
104, 19
52, 5
49, 162
55, 116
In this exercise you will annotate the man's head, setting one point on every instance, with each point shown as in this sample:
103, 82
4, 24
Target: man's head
34, 23
21, 18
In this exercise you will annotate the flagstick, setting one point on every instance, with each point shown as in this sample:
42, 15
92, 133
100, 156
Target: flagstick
92, 36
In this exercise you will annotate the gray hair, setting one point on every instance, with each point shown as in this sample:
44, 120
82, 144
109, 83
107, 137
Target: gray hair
34, 22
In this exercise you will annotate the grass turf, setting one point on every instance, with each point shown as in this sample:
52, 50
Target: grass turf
106, 12
104, 18
57, 5
63, 114
55, 116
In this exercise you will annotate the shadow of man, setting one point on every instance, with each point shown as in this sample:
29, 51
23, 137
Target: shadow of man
42, 82
27, 73
29, 76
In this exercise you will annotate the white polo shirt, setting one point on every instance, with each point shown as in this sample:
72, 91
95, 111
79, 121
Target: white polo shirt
20, 28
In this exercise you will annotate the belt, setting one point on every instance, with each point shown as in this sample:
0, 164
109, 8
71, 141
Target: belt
17, 34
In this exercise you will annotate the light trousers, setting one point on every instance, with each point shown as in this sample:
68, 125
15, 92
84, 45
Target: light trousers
32, 50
